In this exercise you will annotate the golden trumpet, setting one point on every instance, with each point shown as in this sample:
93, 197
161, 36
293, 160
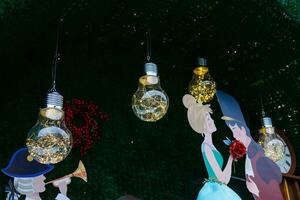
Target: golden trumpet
80, 172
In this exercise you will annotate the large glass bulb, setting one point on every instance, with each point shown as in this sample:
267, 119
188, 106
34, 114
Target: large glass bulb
202, 85
150, 103
49, 141
272, 144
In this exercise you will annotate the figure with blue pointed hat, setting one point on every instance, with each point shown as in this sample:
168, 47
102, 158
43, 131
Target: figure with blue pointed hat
28, 178
263, 177
215, 187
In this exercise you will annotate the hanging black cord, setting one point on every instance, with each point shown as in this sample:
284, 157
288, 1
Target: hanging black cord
148, 39
262, 107
74, 4
56, 57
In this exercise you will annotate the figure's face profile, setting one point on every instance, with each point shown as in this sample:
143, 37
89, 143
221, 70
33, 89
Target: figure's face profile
210, 124
238, 133
39, 184
200, 121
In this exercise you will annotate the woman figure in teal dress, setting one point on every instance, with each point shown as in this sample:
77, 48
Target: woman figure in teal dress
215, 186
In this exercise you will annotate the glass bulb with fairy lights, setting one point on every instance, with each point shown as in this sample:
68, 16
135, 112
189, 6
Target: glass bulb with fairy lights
49, 141
202, 86
150, 103
270, 141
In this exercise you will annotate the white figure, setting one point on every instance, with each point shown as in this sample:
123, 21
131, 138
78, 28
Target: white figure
32, 187
28, 178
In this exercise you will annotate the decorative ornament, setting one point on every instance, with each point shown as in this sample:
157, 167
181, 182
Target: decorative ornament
202, 85
270, 141
237, 149
272, 144
83, 119
150, 103
49, 140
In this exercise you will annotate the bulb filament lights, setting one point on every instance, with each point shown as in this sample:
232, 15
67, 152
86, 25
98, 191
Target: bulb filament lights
202, 85
49, 141
150, 103
272, 144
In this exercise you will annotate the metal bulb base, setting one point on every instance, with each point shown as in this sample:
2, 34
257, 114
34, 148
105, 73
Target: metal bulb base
267, 122
201, 61
55, 100
150, 69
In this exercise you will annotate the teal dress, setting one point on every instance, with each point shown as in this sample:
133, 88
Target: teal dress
213, 189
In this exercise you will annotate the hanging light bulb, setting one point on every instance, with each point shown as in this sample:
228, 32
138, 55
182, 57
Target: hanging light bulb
49, 141
270, 141
202, 85
272, 144
150, 103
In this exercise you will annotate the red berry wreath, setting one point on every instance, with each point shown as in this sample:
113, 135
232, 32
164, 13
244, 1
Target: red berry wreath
83, 118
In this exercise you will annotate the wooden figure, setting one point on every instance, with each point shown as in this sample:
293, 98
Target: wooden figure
215, 186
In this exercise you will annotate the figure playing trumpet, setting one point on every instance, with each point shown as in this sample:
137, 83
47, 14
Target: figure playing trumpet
29, 180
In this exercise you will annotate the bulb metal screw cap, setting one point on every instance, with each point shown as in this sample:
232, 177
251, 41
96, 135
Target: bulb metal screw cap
267, 121
150, 69
201, 61
54, 100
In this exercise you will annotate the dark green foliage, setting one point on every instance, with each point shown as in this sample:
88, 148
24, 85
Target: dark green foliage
249, 45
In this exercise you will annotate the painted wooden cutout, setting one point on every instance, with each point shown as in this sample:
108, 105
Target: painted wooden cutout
215, 186
28, 178
262, 174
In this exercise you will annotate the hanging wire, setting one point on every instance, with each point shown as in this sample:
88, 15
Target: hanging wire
148, 39
56, 57
262, 107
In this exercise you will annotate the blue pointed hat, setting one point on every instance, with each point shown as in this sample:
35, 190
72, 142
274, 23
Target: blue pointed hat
22, 167
230, 108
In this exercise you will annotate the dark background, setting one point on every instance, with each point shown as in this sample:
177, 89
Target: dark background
253, 52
